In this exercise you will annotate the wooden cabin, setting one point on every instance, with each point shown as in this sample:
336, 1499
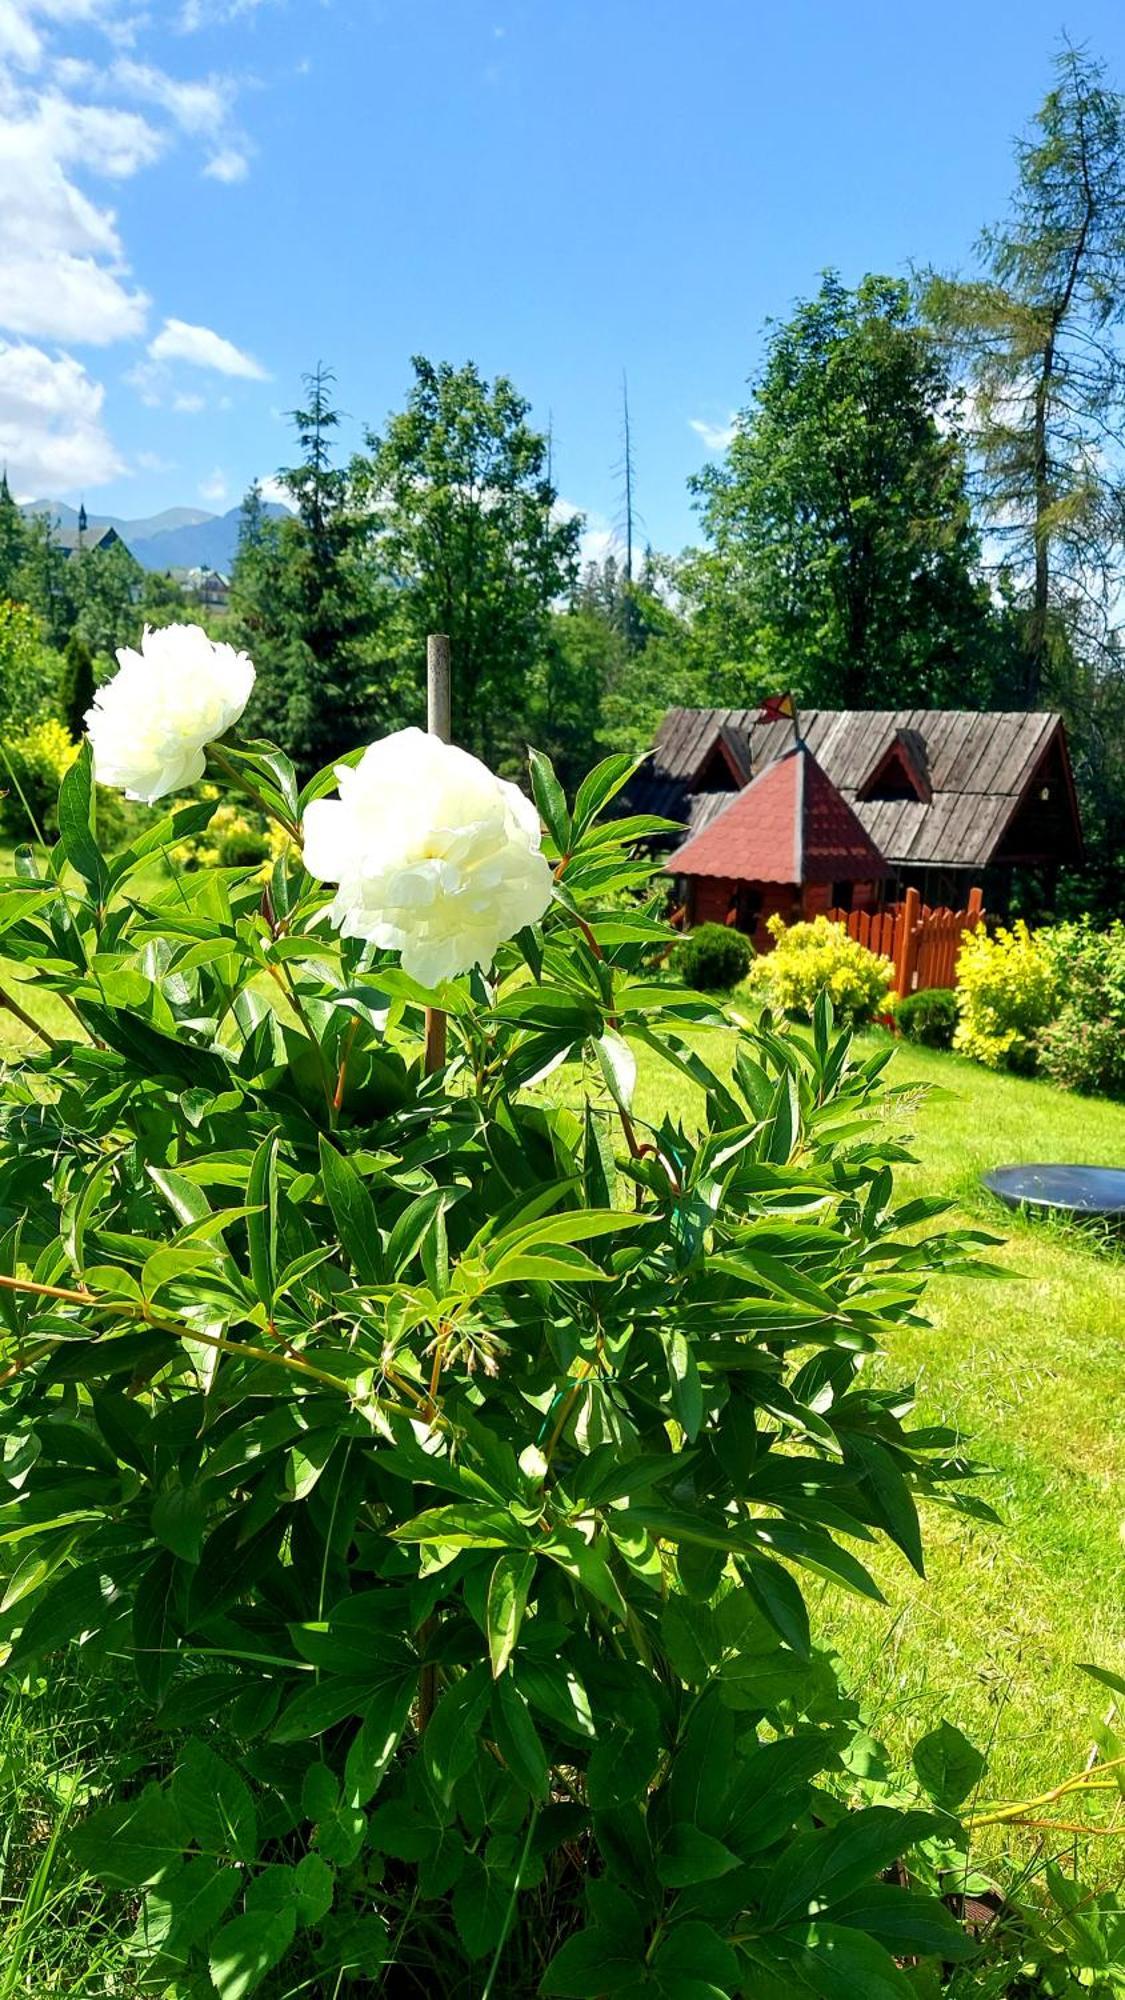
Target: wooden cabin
786, 844
950, 798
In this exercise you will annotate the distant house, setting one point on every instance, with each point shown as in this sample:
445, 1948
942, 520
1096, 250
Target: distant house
787, 844
949, 799
209, 587
83, 541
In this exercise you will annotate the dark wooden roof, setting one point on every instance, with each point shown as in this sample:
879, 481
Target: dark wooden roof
978, 767
790, 824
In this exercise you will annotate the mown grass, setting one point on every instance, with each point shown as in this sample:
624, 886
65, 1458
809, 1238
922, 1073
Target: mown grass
1029, 1368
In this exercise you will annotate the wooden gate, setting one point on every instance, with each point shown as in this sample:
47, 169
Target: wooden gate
921, 943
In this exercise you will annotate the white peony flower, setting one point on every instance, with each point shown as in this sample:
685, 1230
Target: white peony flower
435, 857
149, 724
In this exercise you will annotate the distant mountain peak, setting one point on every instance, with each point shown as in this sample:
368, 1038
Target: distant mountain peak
176, 538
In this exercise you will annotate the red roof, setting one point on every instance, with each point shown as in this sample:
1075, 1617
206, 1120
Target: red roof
789, 825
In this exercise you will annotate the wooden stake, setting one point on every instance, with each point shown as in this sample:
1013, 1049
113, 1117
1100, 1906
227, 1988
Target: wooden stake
439, 722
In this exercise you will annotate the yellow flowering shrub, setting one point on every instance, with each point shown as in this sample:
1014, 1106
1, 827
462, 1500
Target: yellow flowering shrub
809, 959
34, 763
233, 838
1006, 992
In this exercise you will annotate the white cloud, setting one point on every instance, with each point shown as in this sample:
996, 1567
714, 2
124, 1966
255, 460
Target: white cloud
178, 340
214, 488
64, 271
197, 14
276, 491
716, 437
187, 405
228, 166
52, 437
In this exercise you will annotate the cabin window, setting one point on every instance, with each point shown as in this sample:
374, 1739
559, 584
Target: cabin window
895, 776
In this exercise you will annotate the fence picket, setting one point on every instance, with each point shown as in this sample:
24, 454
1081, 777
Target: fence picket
921, 940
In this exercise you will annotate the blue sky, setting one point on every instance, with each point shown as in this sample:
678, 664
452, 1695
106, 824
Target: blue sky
200, 198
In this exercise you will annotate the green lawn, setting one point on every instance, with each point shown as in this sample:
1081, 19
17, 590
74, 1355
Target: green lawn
1032, 1371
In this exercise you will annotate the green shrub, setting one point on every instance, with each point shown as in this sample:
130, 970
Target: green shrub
33, 764
929, 1017
1083, 1048
810, 959
1005, 995
714, 958
446, 1460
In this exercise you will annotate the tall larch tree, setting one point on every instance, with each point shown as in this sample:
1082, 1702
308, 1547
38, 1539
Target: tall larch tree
1033, 334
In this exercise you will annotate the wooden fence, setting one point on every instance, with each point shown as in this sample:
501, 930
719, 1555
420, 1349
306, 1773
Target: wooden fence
921, 943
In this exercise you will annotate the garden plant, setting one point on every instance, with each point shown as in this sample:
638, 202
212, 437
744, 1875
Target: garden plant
818, 957
445, 1451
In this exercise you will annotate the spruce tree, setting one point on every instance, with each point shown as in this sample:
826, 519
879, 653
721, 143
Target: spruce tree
76, 693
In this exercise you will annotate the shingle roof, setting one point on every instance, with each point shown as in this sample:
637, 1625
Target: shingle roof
790, 824
978, 765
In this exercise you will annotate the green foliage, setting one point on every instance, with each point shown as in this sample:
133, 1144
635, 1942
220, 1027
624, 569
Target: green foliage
714, 958
32, 766
1083, 1048
443, 1458
29, 670
1006, 993
464, 517
929, 1017
304, 602
811, 960
842, 558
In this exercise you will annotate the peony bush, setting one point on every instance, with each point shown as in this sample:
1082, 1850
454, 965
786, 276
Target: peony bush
811, 959
456, 1465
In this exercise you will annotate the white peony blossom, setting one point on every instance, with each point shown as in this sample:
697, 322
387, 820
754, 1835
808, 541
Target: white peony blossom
150, 724
435, 857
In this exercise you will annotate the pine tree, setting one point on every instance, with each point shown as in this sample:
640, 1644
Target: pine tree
13, 542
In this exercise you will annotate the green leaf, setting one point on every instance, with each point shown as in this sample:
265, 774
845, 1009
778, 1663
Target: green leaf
840, 1964
154, 1627
695, 1951
376, 1741
249, 1947
185, 1905
591, 1963
517, 1738
508, 1589
353, 1212
947, 1765
550, 799
821, 1868
480, 1907
132, 1843
76, 822
687, 1856
261, 1222
465, 1524
905, 1922
599, 786
687, 1390
341, 1833
449, 1744
215, 1803
179, 1517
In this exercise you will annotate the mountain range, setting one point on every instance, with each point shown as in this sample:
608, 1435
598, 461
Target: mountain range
177, 538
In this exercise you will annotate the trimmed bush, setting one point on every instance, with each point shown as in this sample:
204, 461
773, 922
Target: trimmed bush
1084, 1047
1006, 994
929, 1017
714, 958
819, 957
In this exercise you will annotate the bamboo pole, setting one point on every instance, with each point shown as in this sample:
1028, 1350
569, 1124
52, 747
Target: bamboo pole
439, 722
